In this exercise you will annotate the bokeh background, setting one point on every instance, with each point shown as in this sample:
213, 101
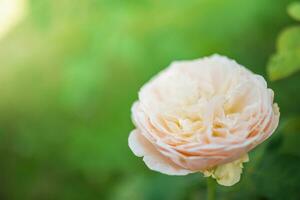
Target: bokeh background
71, 69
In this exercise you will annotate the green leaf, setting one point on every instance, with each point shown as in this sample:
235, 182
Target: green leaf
289, 39
287, 59
284, 64
294, 10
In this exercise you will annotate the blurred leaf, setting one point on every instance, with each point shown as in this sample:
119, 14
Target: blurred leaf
289, 39
283, 64
287, 59
294, 10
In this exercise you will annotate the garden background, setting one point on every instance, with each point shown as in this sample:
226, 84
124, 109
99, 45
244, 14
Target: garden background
71, 69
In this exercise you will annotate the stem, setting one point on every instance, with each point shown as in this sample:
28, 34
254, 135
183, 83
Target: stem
211, 189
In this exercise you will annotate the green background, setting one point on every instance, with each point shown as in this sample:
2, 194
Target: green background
70, 71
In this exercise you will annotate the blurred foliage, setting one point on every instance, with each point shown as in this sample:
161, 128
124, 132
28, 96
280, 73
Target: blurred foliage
287, 59
71, 70
294, 10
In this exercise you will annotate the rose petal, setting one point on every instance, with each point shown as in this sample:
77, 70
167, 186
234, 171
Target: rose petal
152, 158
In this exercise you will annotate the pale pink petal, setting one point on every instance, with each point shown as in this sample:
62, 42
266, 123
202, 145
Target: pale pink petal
141, 147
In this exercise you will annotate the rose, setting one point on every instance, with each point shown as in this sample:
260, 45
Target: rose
202, 116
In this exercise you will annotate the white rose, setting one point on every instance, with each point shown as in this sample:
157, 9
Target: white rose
200, 115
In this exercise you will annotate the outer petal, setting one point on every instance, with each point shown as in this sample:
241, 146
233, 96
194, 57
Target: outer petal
141, 147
